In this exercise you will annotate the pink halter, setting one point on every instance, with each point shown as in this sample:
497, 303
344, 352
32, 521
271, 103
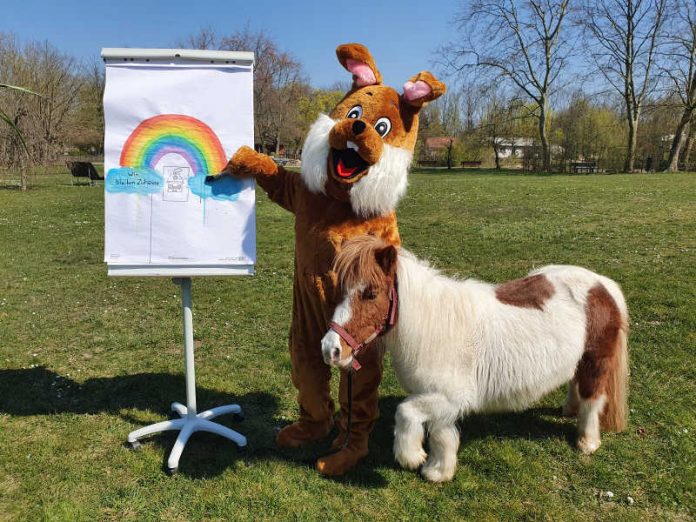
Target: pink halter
387, 324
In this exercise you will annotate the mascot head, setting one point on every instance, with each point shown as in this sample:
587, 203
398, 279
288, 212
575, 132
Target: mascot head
361, 152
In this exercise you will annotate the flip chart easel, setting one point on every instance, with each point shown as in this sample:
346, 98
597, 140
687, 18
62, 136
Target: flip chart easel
190, 420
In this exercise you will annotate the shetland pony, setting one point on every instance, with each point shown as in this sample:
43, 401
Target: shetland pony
460, 347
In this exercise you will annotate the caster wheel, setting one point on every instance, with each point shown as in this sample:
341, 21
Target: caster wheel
238, 416
135, 445
172, 471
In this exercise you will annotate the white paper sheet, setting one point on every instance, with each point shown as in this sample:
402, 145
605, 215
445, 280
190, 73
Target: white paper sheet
167, 127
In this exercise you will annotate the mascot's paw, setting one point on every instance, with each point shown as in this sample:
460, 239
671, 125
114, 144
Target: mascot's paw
301, 433
246, 162
341, 461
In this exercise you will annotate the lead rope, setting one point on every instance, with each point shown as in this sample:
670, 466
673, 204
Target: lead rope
350, 410
391, 319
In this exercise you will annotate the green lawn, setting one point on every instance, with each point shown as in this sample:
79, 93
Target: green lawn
85, 359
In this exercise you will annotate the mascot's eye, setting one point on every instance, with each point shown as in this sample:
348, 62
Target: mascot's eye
383, 126
355, 112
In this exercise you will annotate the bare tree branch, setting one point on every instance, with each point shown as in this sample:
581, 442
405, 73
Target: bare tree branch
519, 43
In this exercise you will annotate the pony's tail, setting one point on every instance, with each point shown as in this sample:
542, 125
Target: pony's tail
615, 414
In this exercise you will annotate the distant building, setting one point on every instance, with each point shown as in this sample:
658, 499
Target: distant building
513, 147
438, 143
519, 148
435, 151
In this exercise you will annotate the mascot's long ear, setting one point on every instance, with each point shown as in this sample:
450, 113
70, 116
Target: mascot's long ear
356, 59
422, 88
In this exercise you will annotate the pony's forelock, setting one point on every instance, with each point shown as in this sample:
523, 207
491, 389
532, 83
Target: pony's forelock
357, 265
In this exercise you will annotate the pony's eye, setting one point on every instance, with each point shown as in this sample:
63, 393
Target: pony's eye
355, 112
383, 126
369, 294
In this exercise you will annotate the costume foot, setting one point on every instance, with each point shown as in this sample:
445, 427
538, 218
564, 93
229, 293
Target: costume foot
339, 441
340, 462
301, 433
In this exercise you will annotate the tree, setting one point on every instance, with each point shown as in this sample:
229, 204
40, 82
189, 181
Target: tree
86, 125
503, 120
42, 120
23, 179
680, 70
317, 101
9, 122
589, 131
278, 86
279, 83
623, 38
520, 43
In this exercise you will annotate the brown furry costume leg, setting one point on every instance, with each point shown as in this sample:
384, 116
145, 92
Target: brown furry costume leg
309, 373
364, 415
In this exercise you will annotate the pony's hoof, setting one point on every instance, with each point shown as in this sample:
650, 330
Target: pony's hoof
436, 472
588, 446
411, 460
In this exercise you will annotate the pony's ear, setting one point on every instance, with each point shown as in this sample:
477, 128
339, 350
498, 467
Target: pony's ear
386, 258
422, 88
358, 61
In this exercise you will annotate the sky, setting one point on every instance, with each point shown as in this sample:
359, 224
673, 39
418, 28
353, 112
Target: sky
401, 34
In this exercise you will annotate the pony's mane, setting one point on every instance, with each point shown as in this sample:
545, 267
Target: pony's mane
356, 263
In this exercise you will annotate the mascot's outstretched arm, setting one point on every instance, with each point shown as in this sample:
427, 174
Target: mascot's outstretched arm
280, 184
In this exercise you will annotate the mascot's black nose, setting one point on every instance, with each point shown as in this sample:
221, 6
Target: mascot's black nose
358, 127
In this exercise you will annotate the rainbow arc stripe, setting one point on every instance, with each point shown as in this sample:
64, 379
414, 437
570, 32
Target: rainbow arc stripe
174, 134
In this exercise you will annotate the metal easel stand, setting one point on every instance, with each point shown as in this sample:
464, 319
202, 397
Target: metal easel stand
190, 421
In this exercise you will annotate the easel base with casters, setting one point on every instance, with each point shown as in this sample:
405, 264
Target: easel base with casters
190, 420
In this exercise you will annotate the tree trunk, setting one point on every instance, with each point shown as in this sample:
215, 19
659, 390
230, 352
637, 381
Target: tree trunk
678, 141
545, 149
685, 155
496, 153
631, 148
449, 155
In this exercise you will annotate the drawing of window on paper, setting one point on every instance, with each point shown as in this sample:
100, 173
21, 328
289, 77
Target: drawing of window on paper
176, 188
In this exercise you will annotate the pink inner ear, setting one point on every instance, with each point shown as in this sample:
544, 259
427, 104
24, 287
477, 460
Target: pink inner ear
414, 91
363, 74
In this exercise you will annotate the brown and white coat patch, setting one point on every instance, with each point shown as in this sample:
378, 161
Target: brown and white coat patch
528, 292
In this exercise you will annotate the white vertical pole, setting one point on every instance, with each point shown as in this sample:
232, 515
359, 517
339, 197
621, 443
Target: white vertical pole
187, 313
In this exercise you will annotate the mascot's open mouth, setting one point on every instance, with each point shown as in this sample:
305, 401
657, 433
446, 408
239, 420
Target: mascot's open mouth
346, 163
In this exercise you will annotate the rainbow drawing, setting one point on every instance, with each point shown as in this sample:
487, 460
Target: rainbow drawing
165, 134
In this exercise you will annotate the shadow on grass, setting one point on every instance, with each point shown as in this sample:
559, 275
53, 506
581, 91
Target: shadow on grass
533, 424
39, 391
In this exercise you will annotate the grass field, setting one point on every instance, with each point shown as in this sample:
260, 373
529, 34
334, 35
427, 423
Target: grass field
85, 359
